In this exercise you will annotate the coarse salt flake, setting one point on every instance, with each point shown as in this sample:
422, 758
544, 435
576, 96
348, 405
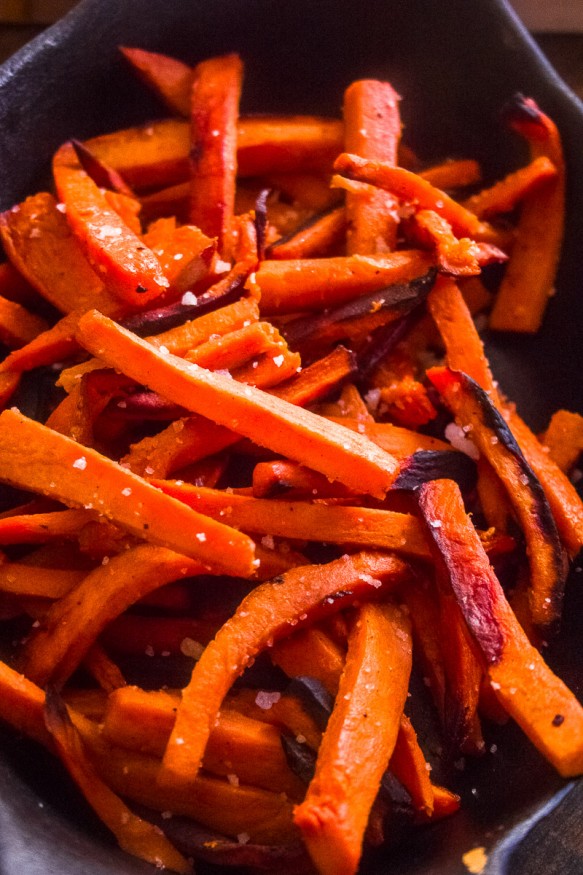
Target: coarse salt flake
189, 299
200, 536
80, 463
126, 491
265, 699
458, 439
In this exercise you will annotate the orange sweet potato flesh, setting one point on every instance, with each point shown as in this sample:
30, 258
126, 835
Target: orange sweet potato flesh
129, 269
372, 129
300, 520
465, 352
547, 560
57, 466
508, 192
294, 432
74, 622
169, 77
39, 241
134, 835
216, 90
53, 345
541, 704
238, 744
410, 187
564, 438
313, 284
267, 613
314, 239
530, 275
156, 154
359, 739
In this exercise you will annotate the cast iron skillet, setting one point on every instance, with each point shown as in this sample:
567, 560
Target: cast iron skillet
455, 63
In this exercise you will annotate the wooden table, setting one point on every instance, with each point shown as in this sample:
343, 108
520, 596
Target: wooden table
565, 51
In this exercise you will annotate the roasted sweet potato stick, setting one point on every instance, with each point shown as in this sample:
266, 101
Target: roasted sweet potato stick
359, 739
471, 406
313, 284
372, 129
135, 835
252, 413
541, 704
72, 625
216, 89
129, 270
238, 744
564, 438
506, 194
299, 520
39, 241
57, 466
313, 239
410, 187
170, 79
529, 278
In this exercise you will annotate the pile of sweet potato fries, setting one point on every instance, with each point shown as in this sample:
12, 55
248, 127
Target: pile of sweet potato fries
275, 436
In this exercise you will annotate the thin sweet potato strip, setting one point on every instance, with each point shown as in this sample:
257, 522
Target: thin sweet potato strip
359, 739
58, 645
267, 420
314, 238
216, 89
134, 835
36, 528
508, 192
410, 187
53, 345
129, 269
300, 520
170, 78
547, 559
57, 466
269, 612
530, 275
313, 284
40, 242
465, 352
564, 438
238, 744
372, 129
541, 704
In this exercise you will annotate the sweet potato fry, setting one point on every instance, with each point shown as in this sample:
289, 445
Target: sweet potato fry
39, 241
216, 89
170, 78
472, 406
252, 413
545, 709
129, 270
529, 278
59, 467
312, 284
72, 625
300, 520
134, 835
359, 739
372, 129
